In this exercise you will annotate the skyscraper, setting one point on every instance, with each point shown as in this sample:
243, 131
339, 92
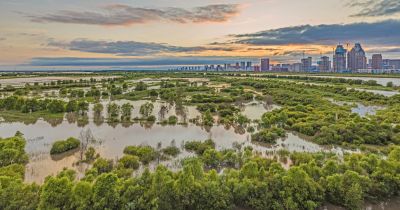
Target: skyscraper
356, 58
265, 64
306, 64
248, 65
324, 64
377, 62
339, 59
243, 65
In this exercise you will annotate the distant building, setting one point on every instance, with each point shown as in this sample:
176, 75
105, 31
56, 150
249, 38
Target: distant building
243, 65
256, 68
377, 61
356, 58
339, 59
324, 65
295, 67
248, 65
306, 64
395, 63
265, 64
237, 66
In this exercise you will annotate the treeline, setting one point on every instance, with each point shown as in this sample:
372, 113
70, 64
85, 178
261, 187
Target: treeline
308, 78
246, 181
27, 105
61, 84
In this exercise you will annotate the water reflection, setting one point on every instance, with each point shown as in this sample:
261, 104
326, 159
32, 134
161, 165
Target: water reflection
359, 108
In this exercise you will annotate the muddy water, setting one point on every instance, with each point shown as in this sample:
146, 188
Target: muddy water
255, 109
359, 108
386, 93
23, 80
112, 139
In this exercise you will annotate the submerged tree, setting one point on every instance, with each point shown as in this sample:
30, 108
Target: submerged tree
126, 111
146, 109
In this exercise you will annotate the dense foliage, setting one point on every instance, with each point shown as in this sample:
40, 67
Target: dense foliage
251, 182
64, 145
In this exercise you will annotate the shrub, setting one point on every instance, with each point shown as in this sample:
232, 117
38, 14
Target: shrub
64, 145
129, 161
172, 120
103, 165
199, 147
146, 154
269, 135
171, 151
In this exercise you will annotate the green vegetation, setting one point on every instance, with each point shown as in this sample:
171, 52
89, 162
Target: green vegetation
61, 146
199, 147
248, 181
268, 135
237, 177
146, 154
146, 109
171, 151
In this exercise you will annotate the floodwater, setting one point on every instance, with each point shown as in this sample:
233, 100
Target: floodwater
359, 108
364, 110
386, 93
255, 109
111, 139
392, 204
20, 81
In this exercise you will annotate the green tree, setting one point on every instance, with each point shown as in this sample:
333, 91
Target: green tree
105, 192
146, 109
56, 193
126, 111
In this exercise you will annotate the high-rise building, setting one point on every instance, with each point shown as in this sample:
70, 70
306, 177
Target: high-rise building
339, 59
393, 63
265, 64
243, 65
356, 58
324, 64
295, 67
306, 64
248, 65
377, 61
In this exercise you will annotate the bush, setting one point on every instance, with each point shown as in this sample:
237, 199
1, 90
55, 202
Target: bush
64, 145
129, 161
103, 165
172, 120
199, 147
171, 151
146, 154
269, 135
151, 118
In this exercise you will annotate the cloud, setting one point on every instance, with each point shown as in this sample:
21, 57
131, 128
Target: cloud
392, 49
119, 15
112, 62
376, 8
129, 48
377, 33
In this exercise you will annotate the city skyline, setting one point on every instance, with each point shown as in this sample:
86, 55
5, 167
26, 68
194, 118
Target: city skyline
42, 34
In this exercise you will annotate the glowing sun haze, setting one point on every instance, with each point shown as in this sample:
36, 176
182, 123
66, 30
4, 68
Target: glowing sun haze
70, 34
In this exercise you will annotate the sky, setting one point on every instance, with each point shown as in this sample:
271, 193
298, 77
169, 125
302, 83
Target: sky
135, 34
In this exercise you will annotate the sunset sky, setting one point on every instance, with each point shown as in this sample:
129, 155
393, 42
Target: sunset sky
51, 34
